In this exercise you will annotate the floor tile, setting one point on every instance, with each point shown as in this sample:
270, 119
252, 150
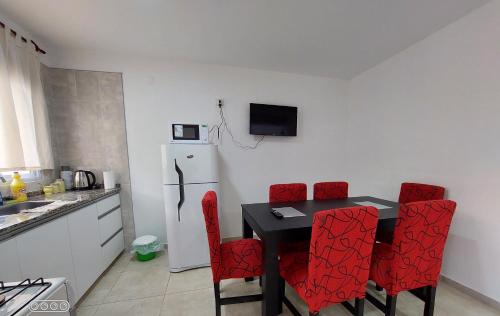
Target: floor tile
101, 289
161, 260
238, 287
121, 263
131, 287
86, 311
134, 284
198, 302
142, 307
190, 280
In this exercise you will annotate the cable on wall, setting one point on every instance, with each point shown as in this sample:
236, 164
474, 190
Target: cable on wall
223, 126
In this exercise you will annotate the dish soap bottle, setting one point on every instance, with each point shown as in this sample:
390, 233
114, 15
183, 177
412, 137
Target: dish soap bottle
18, 188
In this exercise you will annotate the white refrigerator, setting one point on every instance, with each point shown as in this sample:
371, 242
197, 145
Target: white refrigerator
189, 171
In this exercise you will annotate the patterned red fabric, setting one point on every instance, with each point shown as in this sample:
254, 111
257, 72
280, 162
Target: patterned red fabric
415, 256
330, 190
337, 266
235, 259
290, 192
415, 192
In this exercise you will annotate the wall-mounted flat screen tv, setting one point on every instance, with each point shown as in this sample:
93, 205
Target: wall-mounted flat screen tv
275, 120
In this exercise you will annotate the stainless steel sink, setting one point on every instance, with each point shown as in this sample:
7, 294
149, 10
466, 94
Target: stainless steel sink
19, 207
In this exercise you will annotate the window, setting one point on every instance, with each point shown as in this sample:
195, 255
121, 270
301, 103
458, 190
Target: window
25, 137
26, 175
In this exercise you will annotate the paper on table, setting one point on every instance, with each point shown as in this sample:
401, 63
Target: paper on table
368, 203
289, 212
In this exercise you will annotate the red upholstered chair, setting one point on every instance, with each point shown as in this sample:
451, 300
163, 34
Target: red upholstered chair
415, 192
234, 259
413, 261
410, 192
336, 268
330, 190
289, 192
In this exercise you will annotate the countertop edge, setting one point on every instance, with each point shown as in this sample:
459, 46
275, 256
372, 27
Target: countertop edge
37, 222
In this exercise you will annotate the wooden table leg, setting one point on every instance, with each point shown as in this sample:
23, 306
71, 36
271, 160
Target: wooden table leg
270, 288
247, 230
247, 233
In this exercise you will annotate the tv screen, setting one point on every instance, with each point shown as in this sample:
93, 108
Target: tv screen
275, 120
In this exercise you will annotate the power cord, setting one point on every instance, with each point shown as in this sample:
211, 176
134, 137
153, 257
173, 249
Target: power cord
223, 126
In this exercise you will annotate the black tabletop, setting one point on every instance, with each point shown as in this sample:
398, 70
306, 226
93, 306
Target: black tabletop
262, 221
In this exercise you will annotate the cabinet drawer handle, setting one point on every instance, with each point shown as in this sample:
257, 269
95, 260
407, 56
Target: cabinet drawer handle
112, 236
108, 212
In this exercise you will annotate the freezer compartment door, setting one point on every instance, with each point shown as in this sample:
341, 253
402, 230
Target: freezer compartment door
190, 163
186, 232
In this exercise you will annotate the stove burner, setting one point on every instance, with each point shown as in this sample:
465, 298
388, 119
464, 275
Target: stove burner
21, 287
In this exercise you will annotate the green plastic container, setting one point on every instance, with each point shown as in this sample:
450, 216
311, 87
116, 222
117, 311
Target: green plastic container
145, 247
147, 257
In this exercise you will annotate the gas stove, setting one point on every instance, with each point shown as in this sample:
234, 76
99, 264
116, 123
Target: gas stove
32, 296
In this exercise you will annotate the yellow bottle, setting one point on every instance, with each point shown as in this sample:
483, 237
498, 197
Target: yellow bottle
18, 188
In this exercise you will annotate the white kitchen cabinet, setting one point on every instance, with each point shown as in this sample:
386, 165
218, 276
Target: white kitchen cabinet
107, 204
109, 224
9, 261
112, 248
83, 229
45, 251
79, 246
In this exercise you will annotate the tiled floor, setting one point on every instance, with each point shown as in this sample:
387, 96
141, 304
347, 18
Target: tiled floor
147, 288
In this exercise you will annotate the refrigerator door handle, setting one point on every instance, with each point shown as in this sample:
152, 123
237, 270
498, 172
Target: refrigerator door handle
181, 189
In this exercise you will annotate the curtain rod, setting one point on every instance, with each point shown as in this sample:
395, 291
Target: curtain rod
38, 49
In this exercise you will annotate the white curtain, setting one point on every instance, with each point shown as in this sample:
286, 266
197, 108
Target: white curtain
24, 125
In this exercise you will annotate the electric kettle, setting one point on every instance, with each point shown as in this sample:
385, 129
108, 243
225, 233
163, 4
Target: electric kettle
83, 181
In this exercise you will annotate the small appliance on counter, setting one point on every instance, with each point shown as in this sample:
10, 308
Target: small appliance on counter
83, 180
67, 177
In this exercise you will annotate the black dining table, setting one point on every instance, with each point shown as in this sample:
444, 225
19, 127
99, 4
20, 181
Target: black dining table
257, 217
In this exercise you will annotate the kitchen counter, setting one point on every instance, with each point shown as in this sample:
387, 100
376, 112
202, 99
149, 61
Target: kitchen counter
12, 225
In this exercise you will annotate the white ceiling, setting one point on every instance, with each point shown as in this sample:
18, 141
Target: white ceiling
334, 38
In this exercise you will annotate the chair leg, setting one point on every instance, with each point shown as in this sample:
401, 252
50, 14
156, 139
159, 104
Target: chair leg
430, 299
359, 307
390, 305
260, 281
282, 295
217, 299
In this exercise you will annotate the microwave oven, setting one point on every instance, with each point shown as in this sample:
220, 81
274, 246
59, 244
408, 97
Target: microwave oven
189, 134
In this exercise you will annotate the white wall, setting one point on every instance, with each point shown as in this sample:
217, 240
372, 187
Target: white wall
432, 114
157, 93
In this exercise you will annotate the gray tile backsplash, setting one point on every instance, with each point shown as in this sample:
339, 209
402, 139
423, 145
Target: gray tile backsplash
87, 118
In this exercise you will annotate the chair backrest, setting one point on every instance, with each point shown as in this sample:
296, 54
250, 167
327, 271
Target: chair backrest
330, 190
415, 192
419, 239
340, 254
209, 205
288, 192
